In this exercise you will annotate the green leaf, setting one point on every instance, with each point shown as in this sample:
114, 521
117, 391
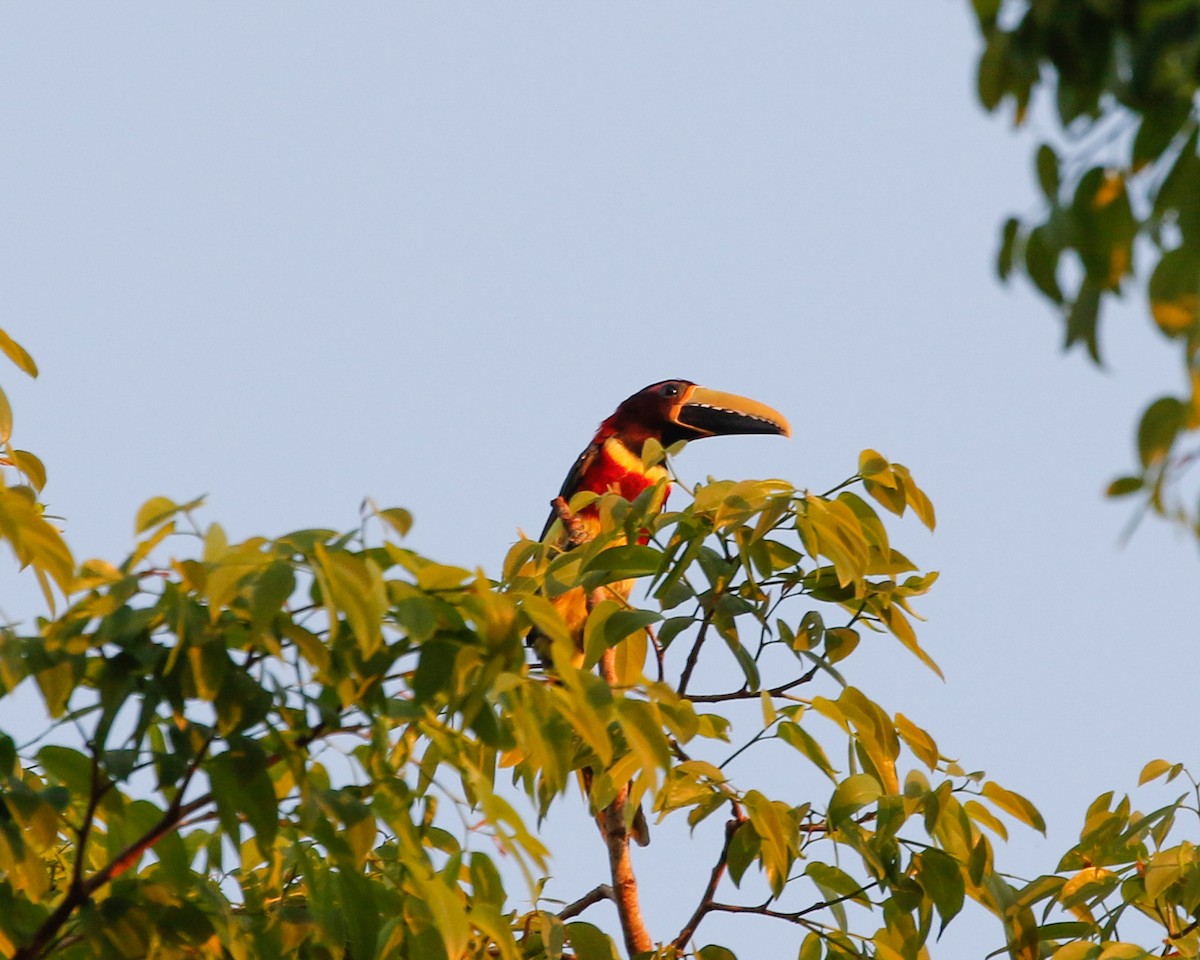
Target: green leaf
626, 561
1174, 292
1008, 243
1041, 263
1047, 172
69, 767
241, 785
798, 737
851, 795
590, 943
1123, 486
743, 849
941, 877
714, 952
1160, 424
1083, 318
17, 354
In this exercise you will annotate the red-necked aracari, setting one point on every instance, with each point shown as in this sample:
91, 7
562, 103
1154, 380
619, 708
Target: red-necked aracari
668, 412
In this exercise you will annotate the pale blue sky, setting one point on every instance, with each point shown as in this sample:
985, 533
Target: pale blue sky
291, 254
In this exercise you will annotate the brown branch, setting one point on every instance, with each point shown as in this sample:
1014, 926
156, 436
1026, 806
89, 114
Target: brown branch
611, 821
718, 871
694, 653
796, 916
80, 890
602, 892
744, 694
576, 532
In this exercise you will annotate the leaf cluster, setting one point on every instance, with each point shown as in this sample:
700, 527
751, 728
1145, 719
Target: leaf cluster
327, 745
1120, 183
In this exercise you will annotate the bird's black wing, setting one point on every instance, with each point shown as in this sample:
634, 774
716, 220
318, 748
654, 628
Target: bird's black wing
570, 486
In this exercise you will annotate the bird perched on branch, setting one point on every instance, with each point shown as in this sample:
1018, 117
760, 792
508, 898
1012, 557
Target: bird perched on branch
668, 412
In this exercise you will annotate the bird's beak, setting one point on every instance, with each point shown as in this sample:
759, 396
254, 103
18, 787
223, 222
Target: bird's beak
710, 413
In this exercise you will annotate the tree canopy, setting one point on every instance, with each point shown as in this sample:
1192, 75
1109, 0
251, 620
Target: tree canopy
323, 743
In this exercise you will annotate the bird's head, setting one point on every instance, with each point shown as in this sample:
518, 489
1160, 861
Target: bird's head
675, 410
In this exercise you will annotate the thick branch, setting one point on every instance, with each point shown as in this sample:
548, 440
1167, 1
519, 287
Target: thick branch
611, 821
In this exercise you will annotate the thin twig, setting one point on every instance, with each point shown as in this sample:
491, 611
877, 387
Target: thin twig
796, 916
744, 694
694, 653
710, 891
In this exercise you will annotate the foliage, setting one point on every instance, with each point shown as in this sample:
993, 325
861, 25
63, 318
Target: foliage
321, 744
1129, 869
1120, 184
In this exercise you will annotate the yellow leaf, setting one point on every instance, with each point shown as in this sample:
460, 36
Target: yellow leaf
153, 511
6, 418
17, 354
1015, 804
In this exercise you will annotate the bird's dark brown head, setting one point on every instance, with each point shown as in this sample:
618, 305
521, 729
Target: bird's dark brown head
674, 410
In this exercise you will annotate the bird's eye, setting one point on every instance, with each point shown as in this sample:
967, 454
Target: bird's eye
670, 390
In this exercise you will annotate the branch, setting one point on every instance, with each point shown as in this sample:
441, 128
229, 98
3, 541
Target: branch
611, 821
576, 532
718, 871
602, 892
796, 916
80, 890
694, 653
745, 694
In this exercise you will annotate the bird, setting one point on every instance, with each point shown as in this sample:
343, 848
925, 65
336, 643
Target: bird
668, 411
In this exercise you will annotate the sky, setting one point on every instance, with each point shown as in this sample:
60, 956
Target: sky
289, 255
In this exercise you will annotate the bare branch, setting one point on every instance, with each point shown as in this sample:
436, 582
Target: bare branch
694, 653
602, 892
755, 694
611, 821
710, 891
796, 916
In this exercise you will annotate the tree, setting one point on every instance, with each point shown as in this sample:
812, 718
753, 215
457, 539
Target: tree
1120, 183
321, 744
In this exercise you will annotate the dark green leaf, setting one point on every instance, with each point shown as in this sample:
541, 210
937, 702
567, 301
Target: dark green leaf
743, 848
1041, 263
626, 561
1174, 291
941, 877
1123, 486
1047, 172
1008, 242
1160, 424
